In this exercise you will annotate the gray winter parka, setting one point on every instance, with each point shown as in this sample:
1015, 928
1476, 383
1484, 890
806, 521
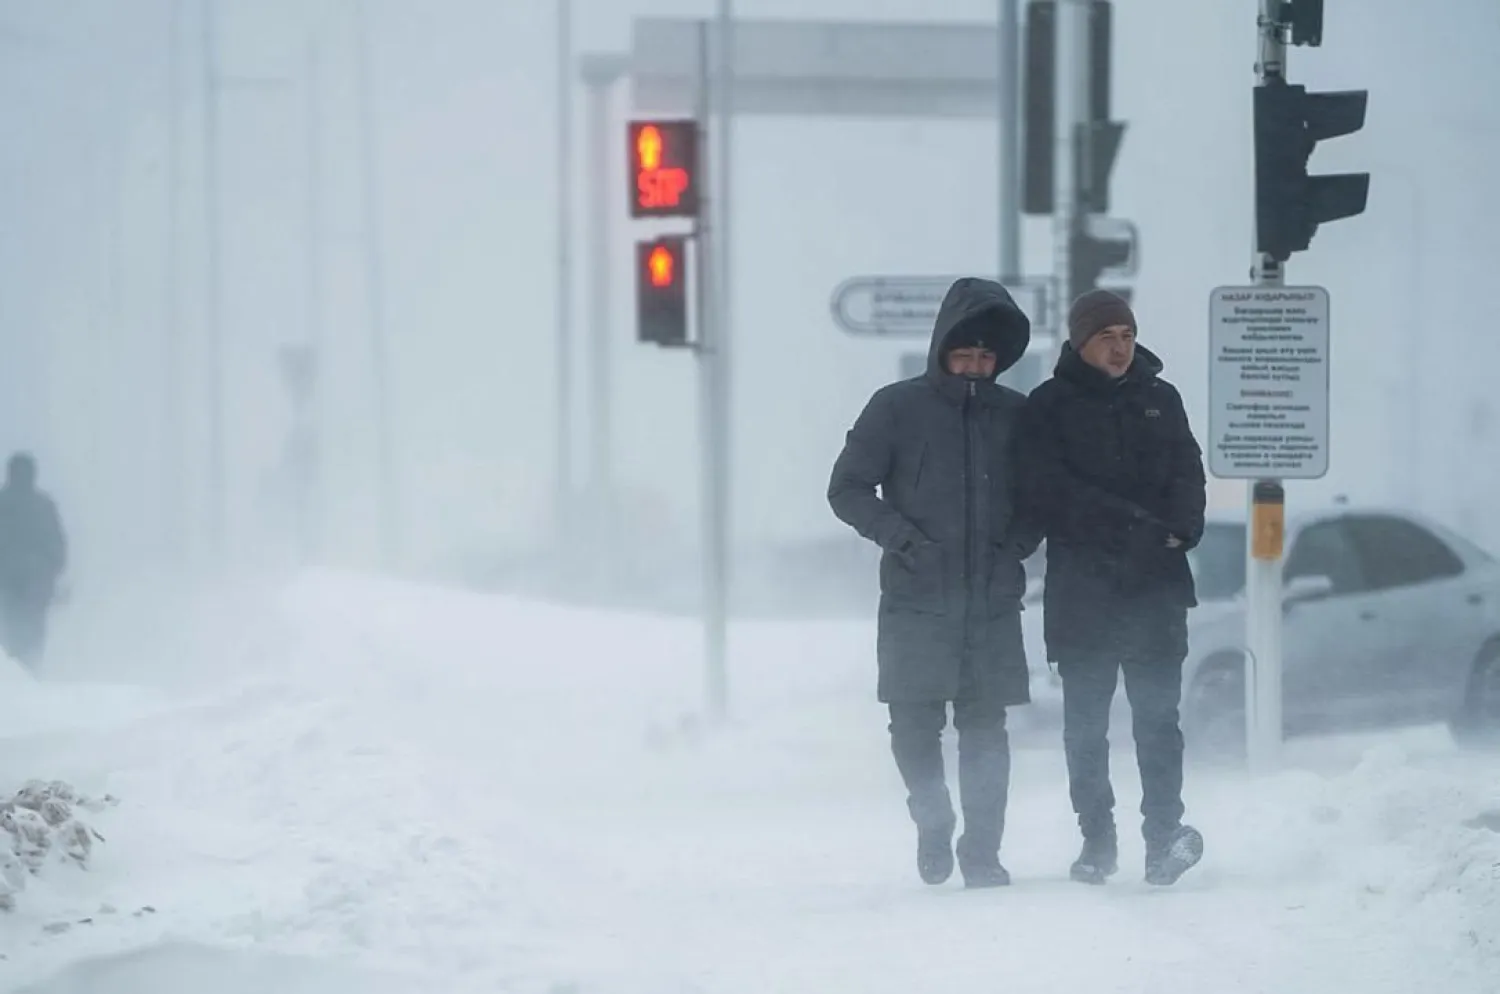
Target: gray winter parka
940, 450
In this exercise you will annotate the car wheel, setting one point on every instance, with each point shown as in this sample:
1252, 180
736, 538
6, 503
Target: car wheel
1477, 726
1214, 712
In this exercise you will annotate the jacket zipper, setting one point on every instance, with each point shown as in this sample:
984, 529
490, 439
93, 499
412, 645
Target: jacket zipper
969, 502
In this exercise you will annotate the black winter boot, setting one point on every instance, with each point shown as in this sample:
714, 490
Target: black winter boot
979, 861
1099, 860
1170, 857
935, 853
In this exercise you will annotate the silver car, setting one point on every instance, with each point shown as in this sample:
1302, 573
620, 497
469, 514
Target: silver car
1389, 620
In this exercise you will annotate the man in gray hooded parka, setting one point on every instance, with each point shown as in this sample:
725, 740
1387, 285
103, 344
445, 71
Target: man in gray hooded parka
938, 449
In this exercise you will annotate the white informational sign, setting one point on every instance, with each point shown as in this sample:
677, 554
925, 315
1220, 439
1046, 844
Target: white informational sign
1268, 382
908, 305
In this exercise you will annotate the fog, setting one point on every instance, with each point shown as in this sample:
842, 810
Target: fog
355, 764
465, 111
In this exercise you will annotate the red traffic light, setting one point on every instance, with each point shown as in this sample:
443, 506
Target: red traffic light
661, 266
664, 168
661, 291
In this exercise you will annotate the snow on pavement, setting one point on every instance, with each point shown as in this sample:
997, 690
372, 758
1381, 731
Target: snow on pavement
454, 791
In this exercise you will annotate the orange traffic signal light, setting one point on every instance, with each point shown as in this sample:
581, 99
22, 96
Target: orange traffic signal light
660, 264
648, 148
664, 168
661, 291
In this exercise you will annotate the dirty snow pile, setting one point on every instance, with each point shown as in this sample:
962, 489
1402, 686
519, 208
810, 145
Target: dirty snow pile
39, 826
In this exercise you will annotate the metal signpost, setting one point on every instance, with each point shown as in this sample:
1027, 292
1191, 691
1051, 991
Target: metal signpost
1269, 376
1268, 387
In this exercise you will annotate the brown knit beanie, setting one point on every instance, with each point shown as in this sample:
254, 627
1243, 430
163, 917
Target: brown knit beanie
1094, 311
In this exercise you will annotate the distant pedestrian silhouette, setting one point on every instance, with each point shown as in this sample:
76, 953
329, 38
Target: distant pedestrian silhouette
33, 555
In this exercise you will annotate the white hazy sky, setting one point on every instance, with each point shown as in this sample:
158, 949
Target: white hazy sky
466, 115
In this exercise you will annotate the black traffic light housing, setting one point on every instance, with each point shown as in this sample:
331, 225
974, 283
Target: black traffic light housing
663, 168
661, 297
1304, 18
1290, 204
1094, 253
1100, 137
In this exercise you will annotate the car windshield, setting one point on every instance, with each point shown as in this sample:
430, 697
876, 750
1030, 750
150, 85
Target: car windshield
1218, 562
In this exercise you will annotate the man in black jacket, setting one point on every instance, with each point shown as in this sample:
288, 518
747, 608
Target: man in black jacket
1111, 468
938, 448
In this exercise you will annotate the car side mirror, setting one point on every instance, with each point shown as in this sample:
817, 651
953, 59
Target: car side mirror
1304, 590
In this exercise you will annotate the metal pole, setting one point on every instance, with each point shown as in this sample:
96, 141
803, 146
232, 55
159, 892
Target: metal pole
310, 492
218, 492
703, 258
718, 382
1008, 139
173, 482
1263, 582
562, 496
599, 338
390, 519
1069, 112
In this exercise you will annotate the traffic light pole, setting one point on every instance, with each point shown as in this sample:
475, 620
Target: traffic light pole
1008, 138
218, 490
716, 384
1070, 113
1263, 723
562, 490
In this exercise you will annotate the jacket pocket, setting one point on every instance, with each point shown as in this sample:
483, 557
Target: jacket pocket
919, 585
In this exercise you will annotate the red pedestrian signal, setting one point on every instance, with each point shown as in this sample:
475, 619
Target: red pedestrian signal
648, 148
661, 264
664, 168
661, 291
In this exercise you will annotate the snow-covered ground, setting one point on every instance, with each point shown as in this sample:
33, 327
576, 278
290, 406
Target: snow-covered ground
353, 784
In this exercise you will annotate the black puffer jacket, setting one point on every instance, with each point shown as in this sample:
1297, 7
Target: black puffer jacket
928, 473
1112, 470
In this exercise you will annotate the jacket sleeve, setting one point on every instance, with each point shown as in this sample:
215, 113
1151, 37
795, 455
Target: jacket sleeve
1187, 495
1026, 531
862, 466
1069, 508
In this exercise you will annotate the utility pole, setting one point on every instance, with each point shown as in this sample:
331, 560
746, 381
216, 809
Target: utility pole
717, 381
600, 75
562, 494
1071, 113
310, 483
218, 492
387, 495
1008, 140
600, 72
173, 481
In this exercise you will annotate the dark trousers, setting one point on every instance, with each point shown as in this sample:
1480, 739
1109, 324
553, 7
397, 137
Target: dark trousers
1154, 691
983, 767
23, 628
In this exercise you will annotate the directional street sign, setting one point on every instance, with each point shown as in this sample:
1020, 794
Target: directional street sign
1268, 382
908, 305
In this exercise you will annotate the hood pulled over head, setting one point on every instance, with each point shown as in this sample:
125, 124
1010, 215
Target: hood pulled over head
979, 313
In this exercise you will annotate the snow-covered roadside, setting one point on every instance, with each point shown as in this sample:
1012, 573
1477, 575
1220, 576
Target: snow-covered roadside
505, 796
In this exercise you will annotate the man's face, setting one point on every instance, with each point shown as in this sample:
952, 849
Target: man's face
974, 363
1111, 351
